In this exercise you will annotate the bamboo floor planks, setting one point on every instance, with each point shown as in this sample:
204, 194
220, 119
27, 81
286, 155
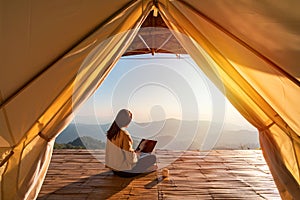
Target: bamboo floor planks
218, 174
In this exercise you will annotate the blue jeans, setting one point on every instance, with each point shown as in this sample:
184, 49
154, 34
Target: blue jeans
145, 161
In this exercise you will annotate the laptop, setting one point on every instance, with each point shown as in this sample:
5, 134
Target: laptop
146, 145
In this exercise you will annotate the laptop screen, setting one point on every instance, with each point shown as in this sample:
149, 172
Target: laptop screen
146, 145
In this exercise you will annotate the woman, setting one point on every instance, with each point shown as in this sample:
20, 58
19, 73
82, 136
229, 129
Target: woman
120, 156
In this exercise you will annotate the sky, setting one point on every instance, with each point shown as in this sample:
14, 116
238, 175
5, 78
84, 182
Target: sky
159, 87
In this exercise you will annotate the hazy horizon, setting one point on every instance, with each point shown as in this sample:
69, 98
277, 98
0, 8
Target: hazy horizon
86, 120
174, 134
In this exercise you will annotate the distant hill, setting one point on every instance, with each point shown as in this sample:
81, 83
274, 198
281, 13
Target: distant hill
74, 131
88, 142
84, 142
172, 134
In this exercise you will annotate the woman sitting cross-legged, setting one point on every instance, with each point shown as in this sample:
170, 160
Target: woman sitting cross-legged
120, 156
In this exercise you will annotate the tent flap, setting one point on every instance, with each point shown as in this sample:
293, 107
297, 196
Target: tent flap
57, 92
249, 78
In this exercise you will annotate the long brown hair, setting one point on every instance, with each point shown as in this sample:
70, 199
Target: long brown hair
123, 118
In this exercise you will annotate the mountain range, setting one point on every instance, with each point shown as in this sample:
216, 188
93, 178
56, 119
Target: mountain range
173, 134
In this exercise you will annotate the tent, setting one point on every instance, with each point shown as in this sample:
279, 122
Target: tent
252, 47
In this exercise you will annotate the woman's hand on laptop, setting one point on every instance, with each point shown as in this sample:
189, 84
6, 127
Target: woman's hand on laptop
138, 153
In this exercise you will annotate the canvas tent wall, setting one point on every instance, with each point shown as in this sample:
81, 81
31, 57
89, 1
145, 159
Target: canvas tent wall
54, 55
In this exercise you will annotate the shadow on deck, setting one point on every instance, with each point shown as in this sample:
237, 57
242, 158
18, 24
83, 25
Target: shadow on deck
221, 174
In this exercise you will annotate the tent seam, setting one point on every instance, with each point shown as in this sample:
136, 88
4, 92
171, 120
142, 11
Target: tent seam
267, 127
44, 137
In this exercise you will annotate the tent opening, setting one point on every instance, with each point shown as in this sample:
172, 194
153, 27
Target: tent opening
172, 101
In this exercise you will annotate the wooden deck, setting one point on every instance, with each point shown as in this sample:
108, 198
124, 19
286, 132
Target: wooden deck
221, 174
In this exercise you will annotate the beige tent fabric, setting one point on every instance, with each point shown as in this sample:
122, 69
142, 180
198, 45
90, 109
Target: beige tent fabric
29, 125
262, 93
47, 70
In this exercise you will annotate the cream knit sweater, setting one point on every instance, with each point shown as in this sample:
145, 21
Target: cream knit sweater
119, 153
